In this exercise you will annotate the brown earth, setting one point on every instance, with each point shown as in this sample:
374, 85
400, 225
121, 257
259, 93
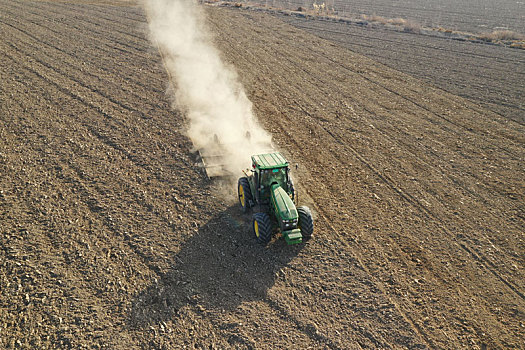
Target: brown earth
466, 15
111, 236
488, 75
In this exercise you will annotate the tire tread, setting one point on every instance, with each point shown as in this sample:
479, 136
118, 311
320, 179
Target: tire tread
306, 222
265, 227
243, 181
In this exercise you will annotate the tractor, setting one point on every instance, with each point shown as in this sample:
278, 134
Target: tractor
269, 190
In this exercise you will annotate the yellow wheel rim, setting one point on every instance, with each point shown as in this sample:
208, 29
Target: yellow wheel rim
256, 227
241, 195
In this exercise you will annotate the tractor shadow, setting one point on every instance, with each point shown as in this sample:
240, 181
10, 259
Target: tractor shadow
218, 268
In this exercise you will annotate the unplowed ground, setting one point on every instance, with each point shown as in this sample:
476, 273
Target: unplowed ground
111, 236
468, 15
489, 75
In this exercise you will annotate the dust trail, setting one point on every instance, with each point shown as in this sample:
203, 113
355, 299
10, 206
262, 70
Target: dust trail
207, 90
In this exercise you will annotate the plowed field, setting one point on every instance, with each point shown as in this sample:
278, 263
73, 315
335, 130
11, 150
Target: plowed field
112, 237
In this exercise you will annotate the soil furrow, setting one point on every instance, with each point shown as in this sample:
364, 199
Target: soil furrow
118, 43
104, 87
98, 23
110, 57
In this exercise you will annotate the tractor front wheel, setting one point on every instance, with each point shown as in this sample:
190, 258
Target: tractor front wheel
245, 194
306, 222
262, 227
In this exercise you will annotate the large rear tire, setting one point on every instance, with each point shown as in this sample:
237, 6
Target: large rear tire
306, 222
245, 194
262, 227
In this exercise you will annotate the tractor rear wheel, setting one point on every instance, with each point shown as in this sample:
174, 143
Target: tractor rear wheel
262, 227
245, 194
306, 222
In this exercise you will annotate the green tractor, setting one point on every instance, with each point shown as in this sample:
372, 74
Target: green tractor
270, 191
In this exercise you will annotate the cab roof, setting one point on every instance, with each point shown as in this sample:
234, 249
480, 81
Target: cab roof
269, 161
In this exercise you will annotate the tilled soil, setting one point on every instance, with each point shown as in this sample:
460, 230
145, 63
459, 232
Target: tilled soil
112, 237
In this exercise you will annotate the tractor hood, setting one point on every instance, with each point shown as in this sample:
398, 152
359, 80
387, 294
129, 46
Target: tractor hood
284, 206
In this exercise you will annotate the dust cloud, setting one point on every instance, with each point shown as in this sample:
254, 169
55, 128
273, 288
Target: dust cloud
220, 116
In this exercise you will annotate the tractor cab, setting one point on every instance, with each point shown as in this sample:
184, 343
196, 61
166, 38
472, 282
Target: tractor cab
268, 170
